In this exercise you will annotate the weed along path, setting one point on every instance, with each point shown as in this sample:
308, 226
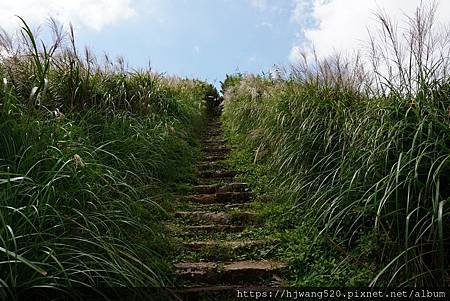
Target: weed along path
214, 226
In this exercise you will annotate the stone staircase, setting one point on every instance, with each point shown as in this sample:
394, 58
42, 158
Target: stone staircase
214, 225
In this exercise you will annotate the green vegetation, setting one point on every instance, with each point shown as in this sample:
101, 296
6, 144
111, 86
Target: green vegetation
88, 152
353, 166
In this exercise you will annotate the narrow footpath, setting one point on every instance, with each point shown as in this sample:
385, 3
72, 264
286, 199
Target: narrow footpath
220, 248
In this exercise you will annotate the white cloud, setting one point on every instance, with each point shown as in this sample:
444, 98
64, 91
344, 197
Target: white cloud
261, 4
301, 10
196, 49
94, 14
265, 25
252, 59
274, 7
341, 25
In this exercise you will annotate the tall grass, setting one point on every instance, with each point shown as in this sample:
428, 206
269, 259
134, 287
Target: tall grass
86, 149
362, 146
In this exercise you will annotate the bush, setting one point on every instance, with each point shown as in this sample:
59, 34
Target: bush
361, 154
86, 151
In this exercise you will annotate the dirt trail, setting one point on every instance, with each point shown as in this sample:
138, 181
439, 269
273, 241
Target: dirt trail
223, 248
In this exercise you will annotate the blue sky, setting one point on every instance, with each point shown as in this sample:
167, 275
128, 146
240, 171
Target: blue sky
201, 38
208, 39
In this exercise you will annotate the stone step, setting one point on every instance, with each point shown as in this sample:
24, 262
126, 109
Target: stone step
218, 207
216, 123
214, 207
216, 174
221, 181
213, 165
212, 127
222, 197
215, 148
202, 229
219, 217
216, 135
248, 271
230, 245
210, 141
212, 135
213, 143
211, 153
217, 188
192, 231
214, 130
211, 158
